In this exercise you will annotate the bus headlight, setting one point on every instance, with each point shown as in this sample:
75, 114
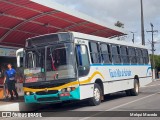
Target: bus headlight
27, 93
63, 90
68, 89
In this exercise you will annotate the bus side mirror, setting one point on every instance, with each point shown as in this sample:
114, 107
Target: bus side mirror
18, 61
19, 54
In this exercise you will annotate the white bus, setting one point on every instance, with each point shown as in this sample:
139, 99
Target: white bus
74, 66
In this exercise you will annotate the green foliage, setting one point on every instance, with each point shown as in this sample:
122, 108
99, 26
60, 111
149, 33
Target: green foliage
156, 61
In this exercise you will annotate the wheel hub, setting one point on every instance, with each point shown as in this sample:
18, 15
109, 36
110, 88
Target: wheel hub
97, 94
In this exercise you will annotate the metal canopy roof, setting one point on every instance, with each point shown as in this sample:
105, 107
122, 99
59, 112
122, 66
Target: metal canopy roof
21, 19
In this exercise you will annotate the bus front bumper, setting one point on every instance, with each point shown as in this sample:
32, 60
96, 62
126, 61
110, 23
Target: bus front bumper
53, 98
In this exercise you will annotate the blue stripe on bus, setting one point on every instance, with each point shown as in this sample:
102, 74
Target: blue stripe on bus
118, 65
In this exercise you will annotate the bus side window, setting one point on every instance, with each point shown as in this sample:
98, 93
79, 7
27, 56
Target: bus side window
105, 53
109, 52
119, 54
132, 55
124, 55
82, 60
145, 56
94, 52
116, 54
139, 56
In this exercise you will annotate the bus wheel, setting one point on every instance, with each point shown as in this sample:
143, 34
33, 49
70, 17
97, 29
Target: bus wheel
135, 90
97, 93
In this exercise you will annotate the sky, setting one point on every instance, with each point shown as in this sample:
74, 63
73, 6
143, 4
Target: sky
125, 11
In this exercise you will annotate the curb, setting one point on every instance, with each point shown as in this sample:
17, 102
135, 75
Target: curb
155, 79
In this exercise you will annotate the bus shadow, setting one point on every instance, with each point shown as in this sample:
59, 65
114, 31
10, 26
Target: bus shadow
117, 95
70, 106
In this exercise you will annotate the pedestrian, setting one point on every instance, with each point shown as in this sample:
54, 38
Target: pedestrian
5, 84
10, 81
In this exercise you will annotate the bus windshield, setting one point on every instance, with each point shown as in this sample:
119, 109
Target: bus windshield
51, 63
60, 62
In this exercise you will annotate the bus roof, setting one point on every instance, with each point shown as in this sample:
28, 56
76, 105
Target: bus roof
102, 39
97, 38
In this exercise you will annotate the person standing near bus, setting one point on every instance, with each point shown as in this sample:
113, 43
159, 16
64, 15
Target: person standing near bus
10, 81
5, 84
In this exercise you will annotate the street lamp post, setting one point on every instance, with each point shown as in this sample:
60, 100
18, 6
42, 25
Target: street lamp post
153, 62
142, 24
133, 33
153, 49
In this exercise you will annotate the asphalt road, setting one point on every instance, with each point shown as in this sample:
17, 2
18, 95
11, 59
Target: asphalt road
147, 100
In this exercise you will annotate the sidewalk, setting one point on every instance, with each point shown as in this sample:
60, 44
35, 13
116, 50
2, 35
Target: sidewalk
18, 105
156, 79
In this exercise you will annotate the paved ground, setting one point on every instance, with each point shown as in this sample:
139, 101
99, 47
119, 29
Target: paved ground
148, 100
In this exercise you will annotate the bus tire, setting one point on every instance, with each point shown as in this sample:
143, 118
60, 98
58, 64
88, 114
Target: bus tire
135, 90
97, 93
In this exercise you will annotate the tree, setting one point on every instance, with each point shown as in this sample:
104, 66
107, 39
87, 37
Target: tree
156, 61
157, 64
119, 24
